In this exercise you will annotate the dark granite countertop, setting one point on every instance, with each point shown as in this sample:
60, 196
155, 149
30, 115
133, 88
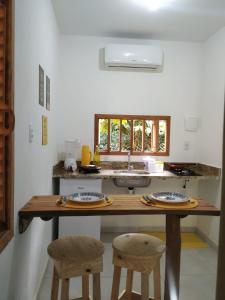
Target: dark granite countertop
108, 168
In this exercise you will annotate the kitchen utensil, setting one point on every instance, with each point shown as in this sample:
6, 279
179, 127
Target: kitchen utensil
89, 169
72, 147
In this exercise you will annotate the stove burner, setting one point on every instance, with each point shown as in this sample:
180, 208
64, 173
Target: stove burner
184, 172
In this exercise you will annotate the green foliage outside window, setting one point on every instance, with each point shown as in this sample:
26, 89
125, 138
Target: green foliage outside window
120, 131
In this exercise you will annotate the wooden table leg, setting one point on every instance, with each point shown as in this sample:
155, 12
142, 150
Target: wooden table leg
173, 250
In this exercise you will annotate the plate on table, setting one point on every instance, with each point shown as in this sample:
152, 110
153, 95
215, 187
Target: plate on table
86, 197
169, 197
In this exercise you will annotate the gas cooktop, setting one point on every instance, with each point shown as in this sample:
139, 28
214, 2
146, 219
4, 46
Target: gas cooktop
184, 172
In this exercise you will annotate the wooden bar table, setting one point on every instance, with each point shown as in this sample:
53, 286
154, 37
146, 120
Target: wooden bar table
45, 208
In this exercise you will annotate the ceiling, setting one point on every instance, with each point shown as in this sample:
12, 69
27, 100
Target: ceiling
182, 20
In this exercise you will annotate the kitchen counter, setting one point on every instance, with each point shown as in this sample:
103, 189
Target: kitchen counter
46, 208
108, 168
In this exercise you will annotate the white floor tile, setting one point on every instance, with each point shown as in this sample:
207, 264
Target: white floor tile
198, 275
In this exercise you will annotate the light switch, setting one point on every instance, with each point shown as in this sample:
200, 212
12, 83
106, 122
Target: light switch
30, 134
191, 123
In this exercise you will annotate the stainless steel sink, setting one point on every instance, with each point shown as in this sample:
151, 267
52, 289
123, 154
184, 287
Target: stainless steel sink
136, 181
131, 172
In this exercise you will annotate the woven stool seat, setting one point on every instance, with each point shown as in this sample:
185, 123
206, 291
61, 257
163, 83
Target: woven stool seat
137, 252
76, 256
134, 244
76, 249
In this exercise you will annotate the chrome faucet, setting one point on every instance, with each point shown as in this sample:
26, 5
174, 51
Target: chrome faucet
129, 166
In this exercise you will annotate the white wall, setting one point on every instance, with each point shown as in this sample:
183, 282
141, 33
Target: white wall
87, 88
36, 42
211, 132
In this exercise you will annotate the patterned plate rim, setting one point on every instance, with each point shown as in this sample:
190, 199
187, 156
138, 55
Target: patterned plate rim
154, 197
76, 198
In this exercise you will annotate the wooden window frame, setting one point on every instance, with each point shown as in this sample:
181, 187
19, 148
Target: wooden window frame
7, 228
132, 118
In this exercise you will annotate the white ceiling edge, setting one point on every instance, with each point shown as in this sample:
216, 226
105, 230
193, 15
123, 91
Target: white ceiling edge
195, 21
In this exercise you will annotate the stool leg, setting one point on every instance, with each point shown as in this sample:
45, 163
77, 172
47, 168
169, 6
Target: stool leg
65, 289
144, 286
96, 287
116, 283
55, 285
85, 287
129, 283
157, 285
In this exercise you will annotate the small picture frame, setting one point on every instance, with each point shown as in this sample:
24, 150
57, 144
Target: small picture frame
47, 93
44, 130
41, 86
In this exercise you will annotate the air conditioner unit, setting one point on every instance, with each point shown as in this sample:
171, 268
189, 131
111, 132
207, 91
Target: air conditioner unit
133, 56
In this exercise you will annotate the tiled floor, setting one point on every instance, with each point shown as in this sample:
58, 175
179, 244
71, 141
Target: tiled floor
198, 275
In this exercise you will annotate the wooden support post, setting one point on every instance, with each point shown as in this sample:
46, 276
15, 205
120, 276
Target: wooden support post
220, 287
55, 228
173, 249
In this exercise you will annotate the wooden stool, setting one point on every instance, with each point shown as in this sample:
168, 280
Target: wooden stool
76, 256
137, 252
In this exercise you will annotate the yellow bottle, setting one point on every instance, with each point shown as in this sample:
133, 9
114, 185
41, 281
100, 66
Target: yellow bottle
85, 155
96, 157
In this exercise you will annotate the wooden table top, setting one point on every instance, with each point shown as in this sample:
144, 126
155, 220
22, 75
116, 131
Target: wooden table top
45, 206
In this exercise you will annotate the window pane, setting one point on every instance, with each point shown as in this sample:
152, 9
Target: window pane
138, 135
126, 135
103, 134
148, 136
114, 134
162, 136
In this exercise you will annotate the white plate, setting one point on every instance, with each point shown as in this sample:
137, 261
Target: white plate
169, 197
86, 197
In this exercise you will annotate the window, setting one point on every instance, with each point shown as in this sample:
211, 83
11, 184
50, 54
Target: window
6, 123
141, 135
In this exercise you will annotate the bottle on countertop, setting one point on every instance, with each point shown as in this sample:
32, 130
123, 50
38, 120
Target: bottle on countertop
85, 155
96, 157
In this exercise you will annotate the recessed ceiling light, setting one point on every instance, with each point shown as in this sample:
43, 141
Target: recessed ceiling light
153, 5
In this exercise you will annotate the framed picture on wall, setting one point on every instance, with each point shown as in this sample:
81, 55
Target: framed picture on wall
47, 93
41, 86
44, 130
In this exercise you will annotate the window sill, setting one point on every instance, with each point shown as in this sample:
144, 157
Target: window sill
136, 153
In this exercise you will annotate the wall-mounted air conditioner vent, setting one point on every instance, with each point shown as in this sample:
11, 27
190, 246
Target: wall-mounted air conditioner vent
134, 56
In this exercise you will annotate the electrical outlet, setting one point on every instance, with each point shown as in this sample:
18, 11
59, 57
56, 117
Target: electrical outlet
186, 145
